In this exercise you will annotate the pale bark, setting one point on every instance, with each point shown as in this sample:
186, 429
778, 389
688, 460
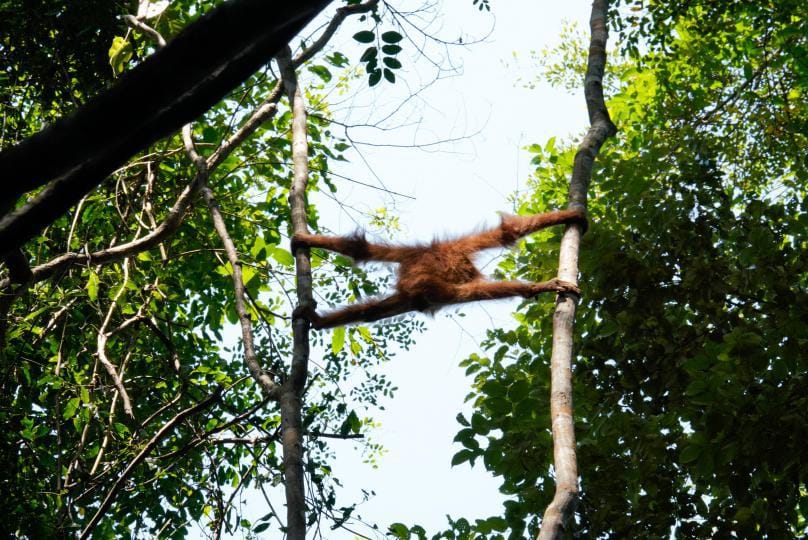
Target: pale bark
291, 402
561, 412
268, 386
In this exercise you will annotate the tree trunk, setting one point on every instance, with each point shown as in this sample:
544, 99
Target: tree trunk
564, 457
291, 403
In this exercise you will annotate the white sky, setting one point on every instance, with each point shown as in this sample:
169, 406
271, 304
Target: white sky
457, 187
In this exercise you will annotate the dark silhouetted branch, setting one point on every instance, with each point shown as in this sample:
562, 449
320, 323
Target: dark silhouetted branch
170, 88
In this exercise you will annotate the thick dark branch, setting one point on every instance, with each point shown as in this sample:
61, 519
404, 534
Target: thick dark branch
178, 211
175, 85
18, 269
561, 412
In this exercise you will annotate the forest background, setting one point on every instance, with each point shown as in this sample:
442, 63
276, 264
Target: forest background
690, 382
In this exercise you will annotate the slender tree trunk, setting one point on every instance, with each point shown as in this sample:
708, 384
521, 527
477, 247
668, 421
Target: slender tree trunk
291, 403
564, 456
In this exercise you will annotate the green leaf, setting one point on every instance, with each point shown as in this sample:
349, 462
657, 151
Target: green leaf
248, 274
352, 424
607, 328
494, 388
389, 75
518, 390
92, 286
338, 339
231, 314
71, 407
391, 37
364, 333
462, 456
399, 530
690, 454
365, 36
480, 424
699, 386
281, 255
210, 134
322, 72
498, 406
375, 77
391, 49
337, 59
392, 63
120, 52
369, 54
258, 250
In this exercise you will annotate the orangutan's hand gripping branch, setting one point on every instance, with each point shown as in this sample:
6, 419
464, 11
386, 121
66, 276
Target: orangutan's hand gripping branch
438, 274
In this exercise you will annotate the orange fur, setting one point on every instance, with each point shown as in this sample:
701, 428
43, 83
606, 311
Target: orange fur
432, 276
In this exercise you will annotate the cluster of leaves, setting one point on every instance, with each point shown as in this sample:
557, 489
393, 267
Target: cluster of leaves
164, 318
690, 385
482, 5
385, 64
52, 57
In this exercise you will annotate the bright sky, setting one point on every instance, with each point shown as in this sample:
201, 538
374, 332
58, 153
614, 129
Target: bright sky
457, 187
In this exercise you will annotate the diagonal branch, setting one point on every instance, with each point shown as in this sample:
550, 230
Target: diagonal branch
564, 455
180, 82
103, 336
147, 448
179, 209
268, 386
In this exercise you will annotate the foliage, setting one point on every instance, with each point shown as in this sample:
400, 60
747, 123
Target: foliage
52, 57
691, 385
163, 318
376, 65
691, 395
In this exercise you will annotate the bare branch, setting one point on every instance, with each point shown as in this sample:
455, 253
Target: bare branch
103, 336
561, 414
291, 421
146, 29
268, 386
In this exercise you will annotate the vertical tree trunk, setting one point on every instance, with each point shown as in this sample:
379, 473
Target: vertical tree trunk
291, 403
601, 127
